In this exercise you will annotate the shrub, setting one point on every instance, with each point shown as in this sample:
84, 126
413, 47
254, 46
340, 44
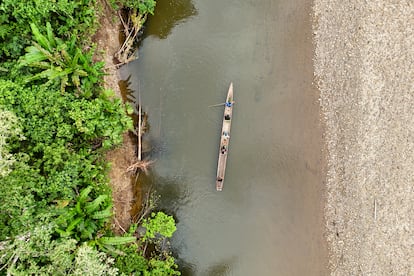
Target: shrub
89, 261
58, 157
9, 129
57, 126
36, 253
131, 261
76, 17
161, 267
159, 223
143, 6
83, 220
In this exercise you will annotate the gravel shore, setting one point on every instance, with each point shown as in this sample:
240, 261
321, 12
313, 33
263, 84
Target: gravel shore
364, 68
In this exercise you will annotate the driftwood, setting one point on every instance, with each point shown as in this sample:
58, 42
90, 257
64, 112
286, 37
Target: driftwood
132, 28
139, 127
139, 164
142, 165
148, 205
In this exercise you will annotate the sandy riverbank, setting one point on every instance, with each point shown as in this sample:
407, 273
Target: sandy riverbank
364, 66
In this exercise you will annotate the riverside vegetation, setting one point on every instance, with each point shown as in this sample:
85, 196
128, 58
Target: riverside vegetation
57, 122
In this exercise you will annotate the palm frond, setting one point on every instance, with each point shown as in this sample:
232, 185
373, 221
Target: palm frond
84, 194
33, 55
104, 214
41, 39
50, 35
116, 240
94, 205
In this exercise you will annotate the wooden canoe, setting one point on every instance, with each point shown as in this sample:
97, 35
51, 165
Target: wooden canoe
225, 139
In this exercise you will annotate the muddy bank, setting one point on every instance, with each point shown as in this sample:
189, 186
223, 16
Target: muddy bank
123, 193
364, 66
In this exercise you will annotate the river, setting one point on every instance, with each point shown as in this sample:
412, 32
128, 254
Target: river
268, 220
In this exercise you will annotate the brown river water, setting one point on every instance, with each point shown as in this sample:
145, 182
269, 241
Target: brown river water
268, 220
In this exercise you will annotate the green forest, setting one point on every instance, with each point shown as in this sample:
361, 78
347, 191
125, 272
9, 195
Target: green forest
57, 123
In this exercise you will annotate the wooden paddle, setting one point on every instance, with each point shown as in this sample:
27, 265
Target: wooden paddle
214, 105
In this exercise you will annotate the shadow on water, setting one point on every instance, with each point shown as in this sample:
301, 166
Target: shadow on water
168, 14
172, 195
171, 189
186, 269
126, 92
220, 269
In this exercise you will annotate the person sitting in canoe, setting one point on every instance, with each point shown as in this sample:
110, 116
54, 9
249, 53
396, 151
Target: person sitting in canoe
229, 104
223, 149
227, 117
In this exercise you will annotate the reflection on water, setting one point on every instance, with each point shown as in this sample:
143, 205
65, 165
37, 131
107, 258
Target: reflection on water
169, 13
173, 195
222, 268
